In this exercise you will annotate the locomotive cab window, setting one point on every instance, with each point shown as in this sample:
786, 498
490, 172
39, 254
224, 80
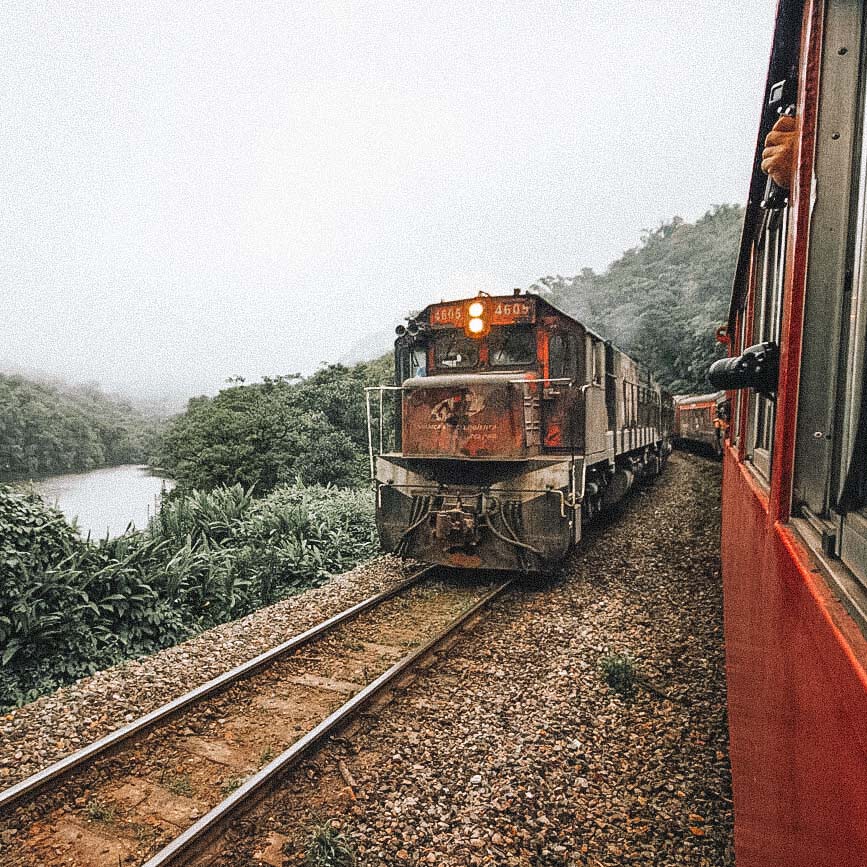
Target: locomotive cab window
851, 468
411, 361
454, 350
511, 346
563, 360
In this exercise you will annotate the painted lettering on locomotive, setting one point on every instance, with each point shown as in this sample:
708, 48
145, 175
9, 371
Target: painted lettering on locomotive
508, 427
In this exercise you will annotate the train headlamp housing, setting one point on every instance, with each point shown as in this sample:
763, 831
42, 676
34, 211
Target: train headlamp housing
477, 318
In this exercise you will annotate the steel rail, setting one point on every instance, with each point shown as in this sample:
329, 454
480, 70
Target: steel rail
105, 745
192, 842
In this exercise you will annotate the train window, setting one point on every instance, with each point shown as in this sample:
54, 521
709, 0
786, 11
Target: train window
556, 355
563, 361
454, 349
574, 363
411, 361
512, 347
769, 277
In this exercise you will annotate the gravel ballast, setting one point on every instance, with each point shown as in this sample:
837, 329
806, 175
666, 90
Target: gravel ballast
514, 750
511, 749
34, 736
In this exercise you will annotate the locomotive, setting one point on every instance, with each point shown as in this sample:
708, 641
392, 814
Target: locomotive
512, 426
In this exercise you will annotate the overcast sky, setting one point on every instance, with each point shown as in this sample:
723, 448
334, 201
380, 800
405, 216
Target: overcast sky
196, 190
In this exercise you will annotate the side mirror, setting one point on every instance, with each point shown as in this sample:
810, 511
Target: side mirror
758, 368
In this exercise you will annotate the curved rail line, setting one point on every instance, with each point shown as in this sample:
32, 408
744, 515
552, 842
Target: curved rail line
37, 782
197, 838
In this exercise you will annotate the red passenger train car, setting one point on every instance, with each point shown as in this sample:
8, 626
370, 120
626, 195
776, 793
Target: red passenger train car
514, 425
794, 539
701, 419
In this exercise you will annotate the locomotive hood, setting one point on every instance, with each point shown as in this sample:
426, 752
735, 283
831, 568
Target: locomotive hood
465, 416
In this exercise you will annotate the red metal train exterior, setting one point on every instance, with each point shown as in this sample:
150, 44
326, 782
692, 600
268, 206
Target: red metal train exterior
514, 425
794, 543
701, 419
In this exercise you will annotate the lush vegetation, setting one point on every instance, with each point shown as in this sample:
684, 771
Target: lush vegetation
46, 428
252, 519
663, 300
282, 429
69, 608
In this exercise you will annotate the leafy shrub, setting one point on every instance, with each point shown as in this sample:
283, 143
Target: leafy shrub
69, 608
32, 534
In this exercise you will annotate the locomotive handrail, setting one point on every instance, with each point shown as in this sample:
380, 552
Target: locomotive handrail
566, 379
367, 391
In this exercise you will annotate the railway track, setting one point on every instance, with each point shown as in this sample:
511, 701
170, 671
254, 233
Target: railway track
160, 790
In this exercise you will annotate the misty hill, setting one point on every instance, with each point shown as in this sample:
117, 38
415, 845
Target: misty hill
370, 346
47, 428
161, 406
663, 300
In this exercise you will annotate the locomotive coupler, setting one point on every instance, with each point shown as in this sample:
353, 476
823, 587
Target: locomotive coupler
456, 527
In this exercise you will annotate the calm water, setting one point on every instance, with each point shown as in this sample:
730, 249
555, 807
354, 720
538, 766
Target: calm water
106, 500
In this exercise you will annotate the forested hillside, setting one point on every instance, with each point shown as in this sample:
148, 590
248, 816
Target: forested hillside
47, 428
663, 300
282, 429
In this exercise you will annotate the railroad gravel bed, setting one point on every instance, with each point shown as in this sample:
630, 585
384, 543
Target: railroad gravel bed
513, 749
57, 724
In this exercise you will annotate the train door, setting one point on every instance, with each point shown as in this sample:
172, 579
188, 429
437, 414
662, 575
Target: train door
562, 408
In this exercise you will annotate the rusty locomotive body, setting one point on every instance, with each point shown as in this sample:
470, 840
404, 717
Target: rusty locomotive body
512, 426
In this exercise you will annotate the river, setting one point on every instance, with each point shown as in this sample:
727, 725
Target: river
107, 500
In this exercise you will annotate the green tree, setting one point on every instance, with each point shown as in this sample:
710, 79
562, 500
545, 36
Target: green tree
662, 300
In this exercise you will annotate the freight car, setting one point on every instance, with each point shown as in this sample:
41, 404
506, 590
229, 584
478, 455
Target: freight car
701, 419
794, 522
513, 425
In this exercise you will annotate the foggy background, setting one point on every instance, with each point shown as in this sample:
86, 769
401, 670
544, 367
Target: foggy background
195, 191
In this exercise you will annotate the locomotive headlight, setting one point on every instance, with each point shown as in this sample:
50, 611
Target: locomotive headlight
476, 309
476, 325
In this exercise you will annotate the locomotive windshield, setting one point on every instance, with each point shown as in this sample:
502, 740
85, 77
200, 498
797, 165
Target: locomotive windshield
454, 349
511, 347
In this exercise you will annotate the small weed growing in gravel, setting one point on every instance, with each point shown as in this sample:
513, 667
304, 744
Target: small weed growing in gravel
328, 848
230, 784
267, 754
144, 834
99, 811
179, 784
619, 671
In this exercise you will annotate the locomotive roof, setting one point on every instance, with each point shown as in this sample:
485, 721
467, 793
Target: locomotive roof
540, 298
425, 312
684, 399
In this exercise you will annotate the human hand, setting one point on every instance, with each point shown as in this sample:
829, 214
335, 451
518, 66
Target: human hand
778, 157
